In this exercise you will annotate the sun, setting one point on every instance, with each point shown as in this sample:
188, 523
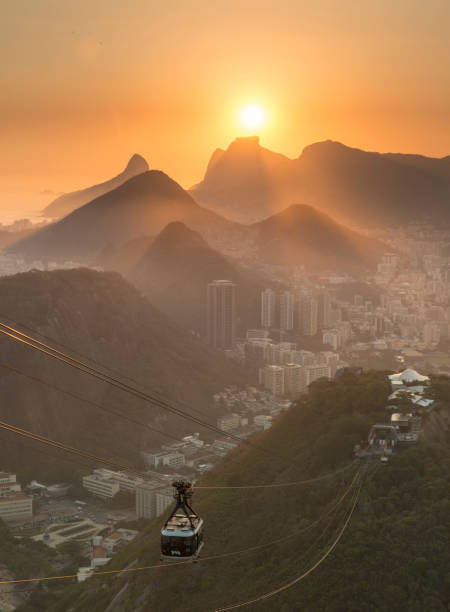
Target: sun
252, 116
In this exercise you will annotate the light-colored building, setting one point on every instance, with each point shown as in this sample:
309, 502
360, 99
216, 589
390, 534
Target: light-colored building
308, 312
268, 308
272, 378
167, 458
286, 310
15, 506
164, 499
101, 486
294, 379
263, 420
228, 422
146, 499
221, 314
314, 372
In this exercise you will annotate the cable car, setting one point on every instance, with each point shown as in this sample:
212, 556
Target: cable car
182, 534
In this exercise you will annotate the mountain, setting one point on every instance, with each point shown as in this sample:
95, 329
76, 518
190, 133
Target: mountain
248, 182
68, 202
106, 320
143, 205
302, 235
393, 555
174, 273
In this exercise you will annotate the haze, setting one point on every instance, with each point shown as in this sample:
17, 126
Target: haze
86, 84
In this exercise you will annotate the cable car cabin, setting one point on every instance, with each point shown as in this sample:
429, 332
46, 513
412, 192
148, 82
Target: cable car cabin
182, 534
179, 542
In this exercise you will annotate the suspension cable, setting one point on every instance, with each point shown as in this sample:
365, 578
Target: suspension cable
200, 559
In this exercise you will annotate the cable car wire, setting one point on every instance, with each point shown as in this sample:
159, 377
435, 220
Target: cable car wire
86, 454
98, 363
58, 355
200, 559
304, 574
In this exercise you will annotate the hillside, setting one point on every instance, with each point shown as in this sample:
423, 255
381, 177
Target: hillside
302, 235
143, 205
248, 182
106, 320
394, 555
176, 269
65, 204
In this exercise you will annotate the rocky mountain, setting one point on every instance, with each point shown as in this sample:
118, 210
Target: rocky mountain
248, 182
105, 319
174, 273
300, 234
143, 205
397, 537
65, 204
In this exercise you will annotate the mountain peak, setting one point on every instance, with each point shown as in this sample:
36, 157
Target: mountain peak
177, 234
136, 164
244, 143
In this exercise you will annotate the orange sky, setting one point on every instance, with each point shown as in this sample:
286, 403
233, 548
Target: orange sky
86, 83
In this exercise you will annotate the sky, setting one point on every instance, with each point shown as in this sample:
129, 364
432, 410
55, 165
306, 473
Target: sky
87, 83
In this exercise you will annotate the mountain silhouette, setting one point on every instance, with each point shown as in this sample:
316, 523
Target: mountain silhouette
300, 234
68, 202
143, 205
248, 182
176, 269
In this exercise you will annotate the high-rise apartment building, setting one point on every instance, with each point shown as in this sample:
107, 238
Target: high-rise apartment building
272, 378
221, 314
308, 316
294, 379
286, 310
268, 308
324, 310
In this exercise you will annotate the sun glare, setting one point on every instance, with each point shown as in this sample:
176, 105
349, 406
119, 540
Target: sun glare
252, 116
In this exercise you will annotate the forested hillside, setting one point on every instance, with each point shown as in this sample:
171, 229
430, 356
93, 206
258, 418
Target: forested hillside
396, 547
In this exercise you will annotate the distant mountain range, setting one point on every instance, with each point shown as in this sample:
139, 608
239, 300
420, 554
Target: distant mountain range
177, 267
68, 202
107, 320
143, 205
301, 234
248, 182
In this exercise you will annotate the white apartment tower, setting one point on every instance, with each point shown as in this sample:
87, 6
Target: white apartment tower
286, 310
272, 378
268, 308
308, 316
221, 314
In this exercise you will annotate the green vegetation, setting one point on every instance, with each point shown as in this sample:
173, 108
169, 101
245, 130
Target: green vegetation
395, 554
24, 557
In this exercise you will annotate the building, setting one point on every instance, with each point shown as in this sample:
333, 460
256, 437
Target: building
272, 379
294, 379
268, 308
164, 499
286, 310
101, 486
228, 422
308, 312
166, 458
146, 499
324, 319
221, 314
314, 372
332, 337
15, 506
263, 420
